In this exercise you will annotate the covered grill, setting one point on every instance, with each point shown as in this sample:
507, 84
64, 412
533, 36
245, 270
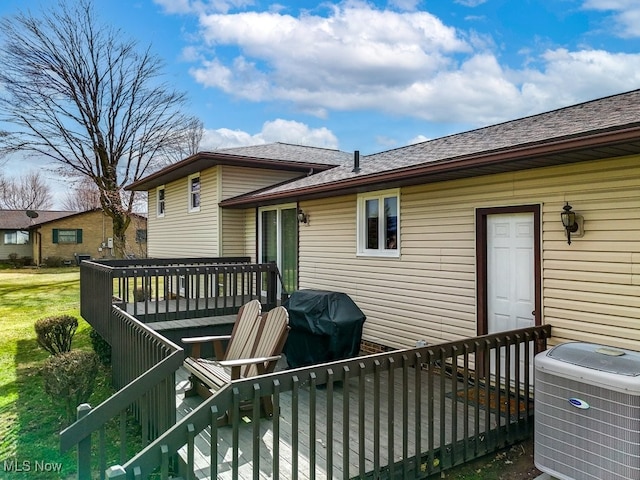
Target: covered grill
325, 326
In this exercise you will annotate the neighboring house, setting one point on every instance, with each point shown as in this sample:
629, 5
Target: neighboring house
444, 239
85, 234
70, 236
16, 236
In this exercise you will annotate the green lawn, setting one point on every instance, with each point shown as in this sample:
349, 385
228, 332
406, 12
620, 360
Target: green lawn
29, 419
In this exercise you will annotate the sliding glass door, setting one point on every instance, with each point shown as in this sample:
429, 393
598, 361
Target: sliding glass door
278, 241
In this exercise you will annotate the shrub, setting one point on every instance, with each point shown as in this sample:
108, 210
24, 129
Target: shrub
101, 347
142, 294
14, 261
71, 377
55, 334
53, 262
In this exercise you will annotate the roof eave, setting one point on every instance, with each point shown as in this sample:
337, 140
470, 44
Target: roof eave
204, 160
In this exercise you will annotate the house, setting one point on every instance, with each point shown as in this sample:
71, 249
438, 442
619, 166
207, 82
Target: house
15, 235
68, 236
450, 238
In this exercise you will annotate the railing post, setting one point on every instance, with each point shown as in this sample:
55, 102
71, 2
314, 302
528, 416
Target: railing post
116, 472
84, 447
272, 286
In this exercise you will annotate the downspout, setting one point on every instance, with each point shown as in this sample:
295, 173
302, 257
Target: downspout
39, 237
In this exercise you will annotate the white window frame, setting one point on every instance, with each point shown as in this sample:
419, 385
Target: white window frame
361, 222
190, 192
161, 205
16, 236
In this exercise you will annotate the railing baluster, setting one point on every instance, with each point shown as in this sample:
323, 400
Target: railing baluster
164, 466
377, 367
442, 359
330, 416
405, 415
256, 431
431, 410
102, 454
454, 403
417, 398
123, 436
390, 416
213, 421
84, 447
361, 420
276, 429
295, 412
312, 425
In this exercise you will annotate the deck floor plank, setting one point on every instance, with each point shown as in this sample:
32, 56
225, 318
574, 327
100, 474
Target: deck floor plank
304, 469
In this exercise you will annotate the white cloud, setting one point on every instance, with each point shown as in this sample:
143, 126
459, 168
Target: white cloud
626, 15
354, 49
406, 5
278, 130
418, 139
470, 3
201, 6
570, 77
406, 64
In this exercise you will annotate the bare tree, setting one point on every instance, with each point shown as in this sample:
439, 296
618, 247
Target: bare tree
28, 192
85, 196
190, 138
80, 94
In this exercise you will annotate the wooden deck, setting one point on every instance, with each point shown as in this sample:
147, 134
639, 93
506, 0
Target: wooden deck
326, 438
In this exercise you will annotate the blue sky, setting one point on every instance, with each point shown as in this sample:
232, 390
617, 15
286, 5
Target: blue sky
371, 76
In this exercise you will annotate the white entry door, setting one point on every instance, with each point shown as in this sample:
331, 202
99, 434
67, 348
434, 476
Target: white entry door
510, 274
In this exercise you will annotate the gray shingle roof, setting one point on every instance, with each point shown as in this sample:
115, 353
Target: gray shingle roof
602, 115
295, 158
18, 219
289, 152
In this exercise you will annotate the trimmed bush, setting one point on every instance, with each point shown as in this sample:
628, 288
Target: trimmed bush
55, 334
142, 294
53, 262
101, 347
71, 377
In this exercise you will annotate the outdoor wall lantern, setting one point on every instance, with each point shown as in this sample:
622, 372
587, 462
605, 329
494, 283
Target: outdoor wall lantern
302, 217
569, 221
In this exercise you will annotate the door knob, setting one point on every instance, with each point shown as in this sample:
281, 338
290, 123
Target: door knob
533, 313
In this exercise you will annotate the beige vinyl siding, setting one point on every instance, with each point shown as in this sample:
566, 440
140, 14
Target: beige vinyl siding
240, 180
238, 236
181, 233
25, 250
251, 234
591, 288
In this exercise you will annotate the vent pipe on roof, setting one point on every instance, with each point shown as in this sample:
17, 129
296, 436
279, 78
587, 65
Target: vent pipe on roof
356, 161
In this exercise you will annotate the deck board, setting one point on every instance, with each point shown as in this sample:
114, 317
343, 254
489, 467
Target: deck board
300, 460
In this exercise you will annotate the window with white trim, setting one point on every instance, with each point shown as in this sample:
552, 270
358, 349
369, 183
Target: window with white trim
160, 201
378, 223
194, 193
16, 237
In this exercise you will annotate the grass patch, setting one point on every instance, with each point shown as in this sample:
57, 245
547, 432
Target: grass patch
30, 420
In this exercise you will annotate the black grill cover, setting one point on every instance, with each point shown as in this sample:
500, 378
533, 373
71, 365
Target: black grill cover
325, 326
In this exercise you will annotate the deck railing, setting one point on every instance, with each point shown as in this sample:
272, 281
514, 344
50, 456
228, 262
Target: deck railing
408, 413
157, 290
144, 364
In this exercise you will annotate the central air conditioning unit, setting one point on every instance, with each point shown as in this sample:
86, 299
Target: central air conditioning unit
587, 412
